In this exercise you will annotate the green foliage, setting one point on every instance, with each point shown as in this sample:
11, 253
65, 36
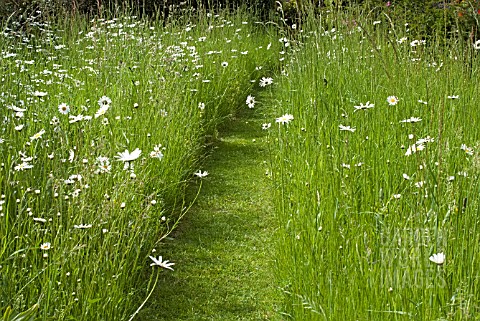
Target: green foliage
160, 8
77, 223
28, 315
359, 213
431, 18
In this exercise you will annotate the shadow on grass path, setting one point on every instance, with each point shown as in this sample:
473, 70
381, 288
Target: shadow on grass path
223, 248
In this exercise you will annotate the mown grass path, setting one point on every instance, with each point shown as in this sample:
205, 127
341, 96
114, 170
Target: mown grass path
223, 247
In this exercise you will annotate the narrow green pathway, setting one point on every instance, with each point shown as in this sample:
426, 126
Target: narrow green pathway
222, 249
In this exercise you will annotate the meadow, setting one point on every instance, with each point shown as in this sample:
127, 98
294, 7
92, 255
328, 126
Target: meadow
372, 144
375, 164
104, 123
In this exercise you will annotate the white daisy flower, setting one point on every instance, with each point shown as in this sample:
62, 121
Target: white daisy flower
23, 166
265, 81
200, 174
476, 45
250, 101
364, 107
392, 100
266, 126
126, 156
157, 152
347, 128
438, 258
46, 246
82, 226
159, 262
40, 93
104, 101
102, 111
38, 135
63, 108
411, 120
285, 119
466, 149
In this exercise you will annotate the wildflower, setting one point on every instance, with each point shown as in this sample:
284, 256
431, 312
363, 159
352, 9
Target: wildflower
405, 176
413, 149
411, 120
476, 45
362, 106
71, 155
55, 121
438, 258
23, 166
63, 108
19, 127
39, 93
265, 81
397, 196
422, 102
74, 119
285, 119
464, 174
453, 97
392, 100
427, 139
16, 109
157, 152
102, 111
466, 149
266, 126
201, 106
37, 135
82, 226
104, 101
126, 156
200, 174
159, 262
224, 64
39, 219
347, 128
103, 164
250, 101
415, 43
419, 184
45, 246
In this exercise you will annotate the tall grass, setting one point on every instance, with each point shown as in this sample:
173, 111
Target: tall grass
366, 196
78, 219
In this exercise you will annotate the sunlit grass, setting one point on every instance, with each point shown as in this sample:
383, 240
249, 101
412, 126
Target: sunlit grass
103, 125
368, 189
